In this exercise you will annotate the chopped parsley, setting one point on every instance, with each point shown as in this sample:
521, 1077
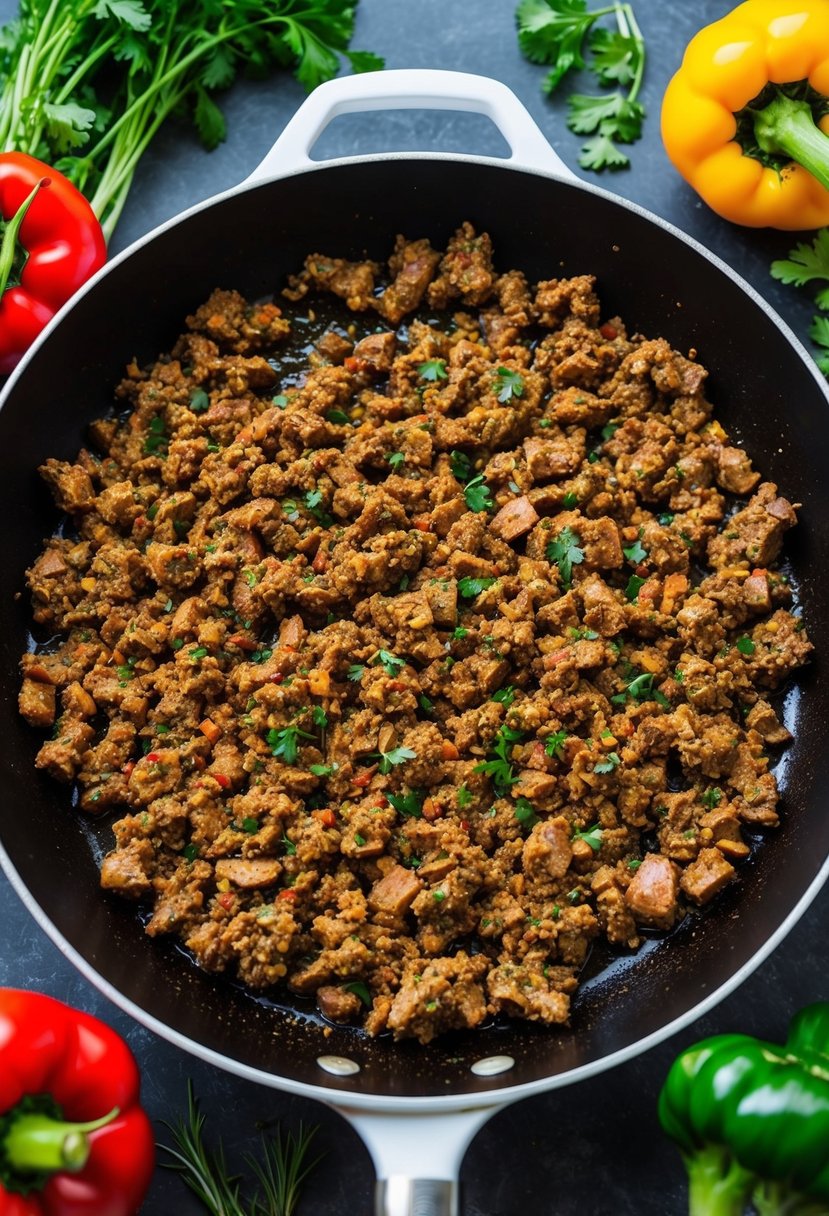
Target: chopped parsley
339, 417
565, 552
461, 465
155, 443
199, 400
592, 836
712, 797
525, 813
608, 764
505, 696
477, 494
554, 744
409, 804
508, 384
636, 553
634, 586
321, 770
641, 688
459, 634
465, 796
570, 500
396, 459
499, 768
432, 369
398, 755
284, 743
313, 501
425, 704
359, 988
355, 672
390, 663
470, 588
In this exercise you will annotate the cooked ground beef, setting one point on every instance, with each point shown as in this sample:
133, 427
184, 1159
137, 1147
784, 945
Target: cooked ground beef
422, 669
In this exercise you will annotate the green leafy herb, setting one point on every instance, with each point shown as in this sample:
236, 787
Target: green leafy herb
398, 755
155, 443
284, 743
525, 813
465, 796
390, 663
313, 501
250, 825
570, 500
505, 695
425, 704
280, 1171
459, 634
593, 837
361, 990
508, 384
409, 804
745, 645
461, 465
477, 494
339, 417
634, 586
565, 552
470, 588
432, 369
608, 764
396, 460
86, 85
554, 32
636, 552
355, 672
665, 519
641, 688
712, 797
499, 769
319, 717
191, 852
321, 770
808, 263
554, 744
199, 400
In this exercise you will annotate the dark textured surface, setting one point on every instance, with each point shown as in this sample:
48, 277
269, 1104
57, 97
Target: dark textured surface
595, 1147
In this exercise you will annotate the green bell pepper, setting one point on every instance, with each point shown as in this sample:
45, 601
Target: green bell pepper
751, 1120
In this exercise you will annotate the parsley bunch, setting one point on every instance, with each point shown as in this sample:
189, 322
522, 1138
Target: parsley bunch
151, 58
808, 264
554, 32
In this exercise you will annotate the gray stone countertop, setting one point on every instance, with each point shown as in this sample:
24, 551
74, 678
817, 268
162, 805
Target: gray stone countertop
591, 1148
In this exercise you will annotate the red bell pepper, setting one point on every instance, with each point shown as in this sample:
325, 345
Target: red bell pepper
73, 1139
51, 244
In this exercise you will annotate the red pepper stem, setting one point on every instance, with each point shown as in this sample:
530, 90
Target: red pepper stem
8, 248
37, 1143
787, 127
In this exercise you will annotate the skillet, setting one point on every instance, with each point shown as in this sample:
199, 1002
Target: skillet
766, 393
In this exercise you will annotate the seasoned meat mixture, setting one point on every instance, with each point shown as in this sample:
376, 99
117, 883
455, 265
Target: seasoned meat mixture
409, 674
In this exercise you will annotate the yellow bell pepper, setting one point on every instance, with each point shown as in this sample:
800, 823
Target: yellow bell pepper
746, 118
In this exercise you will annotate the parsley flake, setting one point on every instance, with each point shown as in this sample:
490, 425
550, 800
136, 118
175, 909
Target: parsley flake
565, 552
477, 494
432, 369
508, 384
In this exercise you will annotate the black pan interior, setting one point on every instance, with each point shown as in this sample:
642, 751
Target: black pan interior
763, 391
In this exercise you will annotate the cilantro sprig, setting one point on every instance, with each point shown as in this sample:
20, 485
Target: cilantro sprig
499, 768
809, 263
554, 32
565, 552
477, 494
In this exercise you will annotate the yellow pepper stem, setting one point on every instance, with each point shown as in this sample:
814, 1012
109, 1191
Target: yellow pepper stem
786, 127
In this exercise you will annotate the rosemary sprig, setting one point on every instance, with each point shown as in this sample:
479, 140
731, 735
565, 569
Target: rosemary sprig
280, 1172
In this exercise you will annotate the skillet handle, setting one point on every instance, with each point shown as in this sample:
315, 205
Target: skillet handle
411, 89
405, 1147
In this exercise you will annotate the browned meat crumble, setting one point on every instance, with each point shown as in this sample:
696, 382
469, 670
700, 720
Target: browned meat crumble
426, 668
